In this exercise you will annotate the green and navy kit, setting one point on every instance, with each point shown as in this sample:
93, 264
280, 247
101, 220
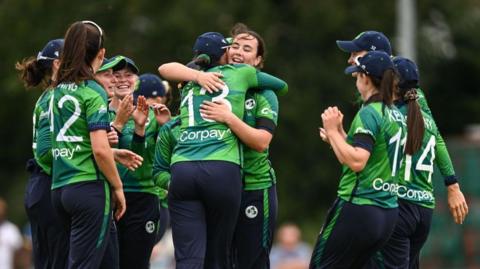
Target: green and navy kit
78, 109
416, 173
140, 180
42, 135
442, 160
261, 111
375, 184
166, 141
422, 101
202, 139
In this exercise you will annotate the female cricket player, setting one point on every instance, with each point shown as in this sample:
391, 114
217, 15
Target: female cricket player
370, 155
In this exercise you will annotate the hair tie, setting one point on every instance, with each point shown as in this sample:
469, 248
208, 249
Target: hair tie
410, 95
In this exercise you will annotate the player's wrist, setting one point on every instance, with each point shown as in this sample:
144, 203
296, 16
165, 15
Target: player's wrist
118, 125
453, 187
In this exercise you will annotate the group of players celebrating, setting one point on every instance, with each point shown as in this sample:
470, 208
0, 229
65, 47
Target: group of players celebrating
112, 167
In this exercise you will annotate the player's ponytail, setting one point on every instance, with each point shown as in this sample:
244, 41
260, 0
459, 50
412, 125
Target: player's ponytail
34, 72
386, 85
83, 41
200, 62
415, 123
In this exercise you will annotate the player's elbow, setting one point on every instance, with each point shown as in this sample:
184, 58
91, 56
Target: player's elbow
261, 146
357, 166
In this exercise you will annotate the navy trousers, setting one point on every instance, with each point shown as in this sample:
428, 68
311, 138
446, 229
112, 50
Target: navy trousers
204, 200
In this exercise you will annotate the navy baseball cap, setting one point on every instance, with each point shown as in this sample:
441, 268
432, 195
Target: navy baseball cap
212, 44
51, 51
130, 64
117, 62
369, 41
373, 63
408, 71
150, 86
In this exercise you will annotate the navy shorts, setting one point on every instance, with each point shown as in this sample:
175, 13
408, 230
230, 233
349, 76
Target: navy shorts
352, 234
255, 228
204, 200
411, 231
85, 211
137, 230
164, 222
49, 238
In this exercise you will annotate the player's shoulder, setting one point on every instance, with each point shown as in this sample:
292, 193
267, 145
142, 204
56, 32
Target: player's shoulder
267, 94
429, 122
92, 87
371, 109
172, 123
236, 68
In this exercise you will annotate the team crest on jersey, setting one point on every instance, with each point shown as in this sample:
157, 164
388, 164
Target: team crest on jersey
251, 211
150, 226
102, 109
250, 103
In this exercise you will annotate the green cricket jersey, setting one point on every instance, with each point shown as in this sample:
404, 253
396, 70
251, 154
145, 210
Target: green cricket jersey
78, 109
257, 170
442, 160
42, 135
166, 141
376, 183
140, 180
202, 139
416, 173
422, 101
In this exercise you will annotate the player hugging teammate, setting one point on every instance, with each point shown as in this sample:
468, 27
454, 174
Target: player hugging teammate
209, 165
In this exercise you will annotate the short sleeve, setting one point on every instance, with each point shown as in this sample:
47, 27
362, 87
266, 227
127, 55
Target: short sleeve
96, 112
367, 122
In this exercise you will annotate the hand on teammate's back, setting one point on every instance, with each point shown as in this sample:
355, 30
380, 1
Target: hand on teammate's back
218, 111
210, 81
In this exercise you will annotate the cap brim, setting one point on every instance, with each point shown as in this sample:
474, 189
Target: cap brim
348, 46
352, 69
117, 62
133, 67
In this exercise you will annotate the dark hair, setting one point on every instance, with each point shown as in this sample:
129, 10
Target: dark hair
386, 85
415, 123
34, 72
240, 28
201, 62
83, 41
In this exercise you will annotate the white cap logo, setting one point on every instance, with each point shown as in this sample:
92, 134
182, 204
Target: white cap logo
251, 212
